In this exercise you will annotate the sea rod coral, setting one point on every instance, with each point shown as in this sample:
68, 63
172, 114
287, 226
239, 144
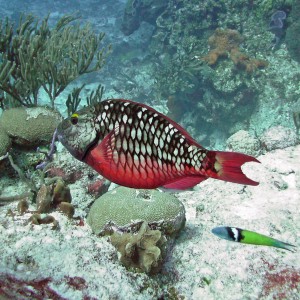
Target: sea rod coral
35, 57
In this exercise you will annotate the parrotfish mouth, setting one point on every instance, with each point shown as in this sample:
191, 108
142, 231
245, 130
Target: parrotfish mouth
61, 138
78, 154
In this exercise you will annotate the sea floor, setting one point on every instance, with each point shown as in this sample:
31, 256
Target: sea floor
70, 262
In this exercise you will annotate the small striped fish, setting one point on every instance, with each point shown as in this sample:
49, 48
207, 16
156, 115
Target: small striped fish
133, 145
239, 235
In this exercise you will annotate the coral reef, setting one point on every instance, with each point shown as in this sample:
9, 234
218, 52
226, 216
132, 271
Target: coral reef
29, 127
226, 42
125, 207
137, 11
142, 225
278, 137
35, 57
242, 141
5, 142
49, 194
98, 187
54, 196
211, 103
292, 37
143, 251
196, 94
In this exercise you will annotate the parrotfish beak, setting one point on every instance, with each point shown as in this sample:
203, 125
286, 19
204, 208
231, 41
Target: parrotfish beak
67, 138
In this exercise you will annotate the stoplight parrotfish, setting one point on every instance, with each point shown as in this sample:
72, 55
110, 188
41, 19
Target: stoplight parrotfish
249, 237
133, 145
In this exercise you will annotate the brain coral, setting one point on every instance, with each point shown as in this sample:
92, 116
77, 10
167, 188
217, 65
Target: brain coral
124, 207
5, 142
30, 127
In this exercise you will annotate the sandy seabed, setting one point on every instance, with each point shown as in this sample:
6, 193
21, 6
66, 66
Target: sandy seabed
72, 263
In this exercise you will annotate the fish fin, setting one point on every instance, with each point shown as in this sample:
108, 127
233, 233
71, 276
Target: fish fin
105, 148
285, 246
101, 154
185, 182
228, 166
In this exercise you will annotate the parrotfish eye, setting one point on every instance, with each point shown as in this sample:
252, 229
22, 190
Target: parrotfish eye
74, 119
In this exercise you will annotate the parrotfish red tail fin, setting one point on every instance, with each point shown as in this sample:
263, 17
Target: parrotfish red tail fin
228, 166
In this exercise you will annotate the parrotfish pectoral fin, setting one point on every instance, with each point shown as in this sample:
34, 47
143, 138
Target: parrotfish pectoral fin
228, 166
184, 183
100, 155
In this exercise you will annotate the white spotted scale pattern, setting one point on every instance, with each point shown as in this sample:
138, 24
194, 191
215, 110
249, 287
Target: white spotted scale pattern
146, 143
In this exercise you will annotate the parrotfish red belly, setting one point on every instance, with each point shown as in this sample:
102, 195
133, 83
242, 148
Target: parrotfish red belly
134, 145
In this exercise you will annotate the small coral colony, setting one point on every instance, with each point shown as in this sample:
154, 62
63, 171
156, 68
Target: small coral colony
127, 142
